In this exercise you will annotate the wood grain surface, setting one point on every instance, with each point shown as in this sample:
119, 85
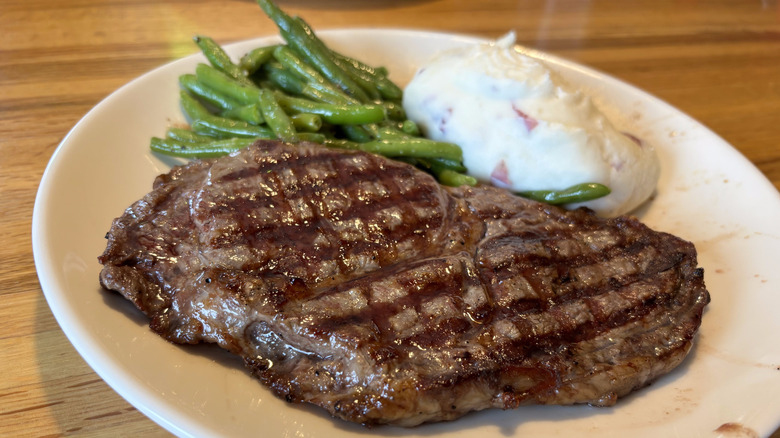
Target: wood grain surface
718, 61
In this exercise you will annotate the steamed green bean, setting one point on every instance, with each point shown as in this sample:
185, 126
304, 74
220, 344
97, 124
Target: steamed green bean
409, 147
283, 79
226, 85
387, 88
295, 36
193, 109
218, 100
219, 59
226, 128
337, 114
306, 122
256, 58
576, 193
216, 148
248, 113
275, 117
326, 92
187, 136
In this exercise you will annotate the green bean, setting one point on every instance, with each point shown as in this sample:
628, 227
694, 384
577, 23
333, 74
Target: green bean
455, 179
362, 78
356, 133
395, 111
248, 113
405, 129
576, 193
326, 94
336, 114
443, 163
386, 132
411, 147
225, 128
373, 71
284, 56
226, 85
314, 54
410, 128
437, 165
216, 148
319, 58
282, 78
219, 59
341, 143
291, 83
313, 137
187, 136
307, 122
218, 100
191, 107
274, 115
395, 130
387, 88
256, 58
325, 90
444, 174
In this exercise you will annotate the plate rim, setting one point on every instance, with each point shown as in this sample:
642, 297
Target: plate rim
107, 369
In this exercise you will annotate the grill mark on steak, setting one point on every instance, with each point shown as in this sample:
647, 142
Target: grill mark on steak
334, 202
360, 285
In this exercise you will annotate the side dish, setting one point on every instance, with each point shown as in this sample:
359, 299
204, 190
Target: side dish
300, 91
523, 128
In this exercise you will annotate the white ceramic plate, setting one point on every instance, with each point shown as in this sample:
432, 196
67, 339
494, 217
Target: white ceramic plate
708, 193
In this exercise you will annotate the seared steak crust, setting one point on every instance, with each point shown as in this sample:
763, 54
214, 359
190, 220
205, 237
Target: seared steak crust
359, 284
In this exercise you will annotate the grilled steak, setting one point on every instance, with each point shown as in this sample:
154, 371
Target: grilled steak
360, 285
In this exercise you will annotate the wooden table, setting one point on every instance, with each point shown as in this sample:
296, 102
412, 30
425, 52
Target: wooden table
718, 61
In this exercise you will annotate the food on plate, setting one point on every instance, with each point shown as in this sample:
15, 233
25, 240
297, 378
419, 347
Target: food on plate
310, 236
522, 127
295, 91
359, 284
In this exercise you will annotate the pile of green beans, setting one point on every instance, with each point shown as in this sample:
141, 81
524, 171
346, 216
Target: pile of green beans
299, 90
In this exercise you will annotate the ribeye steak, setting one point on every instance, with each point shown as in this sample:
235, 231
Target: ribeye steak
360, 285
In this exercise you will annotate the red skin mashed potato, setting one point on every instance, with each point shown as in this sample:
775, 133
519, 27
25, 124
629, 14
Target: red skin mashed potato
522, 127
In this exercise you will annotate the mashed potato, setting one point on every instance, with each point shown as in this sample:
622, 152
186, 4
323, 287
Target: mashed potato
523, 128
